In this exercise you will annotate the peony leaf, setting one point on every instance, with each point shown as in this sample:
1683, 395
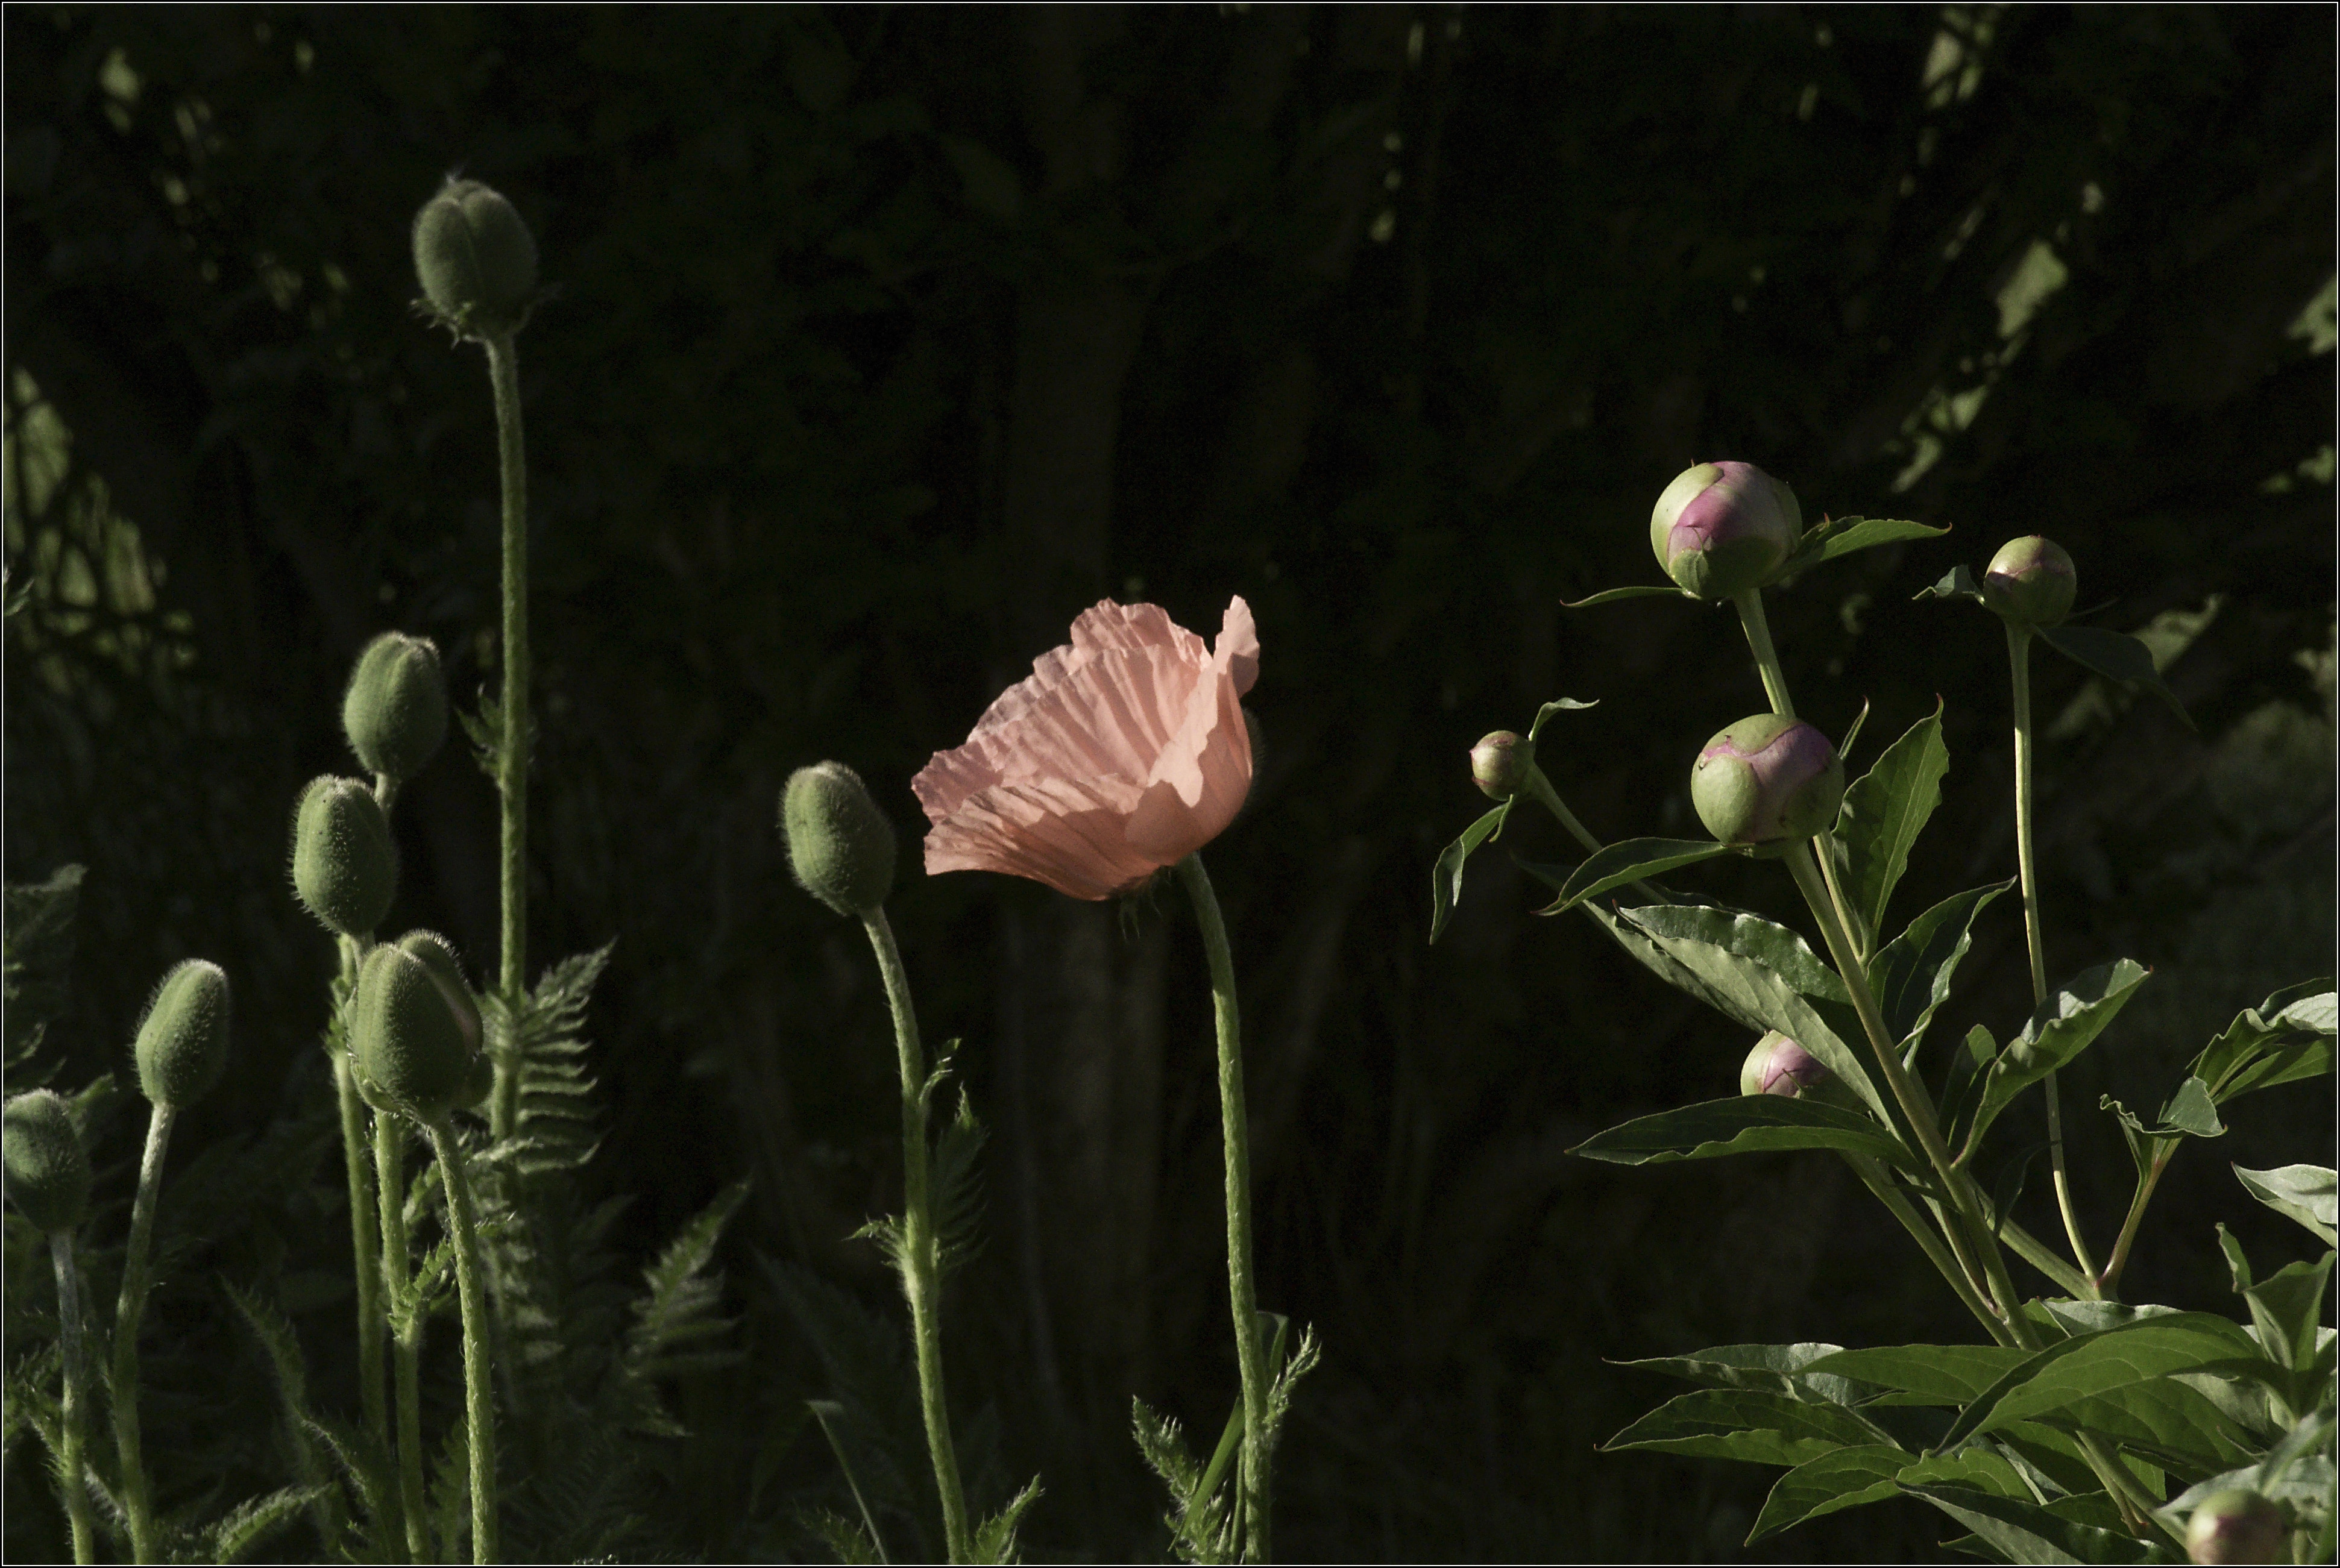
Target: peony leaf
2114, 654
2303, 1192
1883, 812
1744, 1124
1637, 591
1446, 876
1746, 1424
1911, 976
1631, 861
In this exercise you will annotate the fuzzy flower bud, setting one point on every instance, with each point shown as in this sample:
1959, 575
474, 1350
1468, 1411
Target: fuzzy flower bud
2237, 1525
395, 710
48, 1169
407, 1037
343, 866
2031, 582
840, 845
438, 956
1500, 763
476, 259
1778, 1065
1722, 529
1767, 778
182, 1046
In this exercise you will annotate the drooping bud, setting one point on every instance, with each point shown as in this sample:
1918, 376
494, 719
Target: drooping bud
48, 1169
2031, 582
2237, 1525
1778, 1065
1765, 779
343, 866
182, 1046
1500, 763
840, 845
395, 710
438, 955
476, 259
406, 1037
1722, 529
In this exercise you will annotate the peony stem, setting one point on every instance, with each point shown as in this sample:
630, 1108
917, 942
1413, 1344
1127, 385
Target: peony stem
921, 1254
128, 1310
478, 1406
71, 1410
1251, 1359
512, 744
1767, 657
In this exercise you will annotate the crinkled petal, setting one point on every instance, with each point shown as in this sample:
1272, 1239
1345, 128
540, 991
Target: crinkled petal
1057, 833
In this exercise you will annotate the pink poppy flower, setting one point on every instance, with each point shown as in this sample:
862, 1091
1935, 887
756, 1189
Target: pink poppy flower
1124, 753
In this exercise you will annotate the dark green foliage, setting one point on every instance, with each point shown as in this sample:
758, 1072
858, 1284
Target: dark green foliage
39, 942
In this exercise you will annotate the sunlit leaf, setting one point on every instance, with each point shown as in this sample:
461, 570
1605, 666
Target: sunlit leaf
1747, 1124
1883, 812
2060, 1028
1558, 706
2027, 1533
1943, 1374
1910, 975
2090, 1365
1852, 1477
2116, 656
1446, 876
1958, 583
2307, 1193
1637, 591
1747, 1424
1631, 861
1842, 535
1773, 1368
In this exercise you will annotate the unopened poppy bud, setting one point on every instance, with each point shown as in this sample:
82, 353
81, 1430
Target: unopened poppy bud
2031, 582
343, 866
1500, 763
395, 710
438, 955
406, 1036
1722, 529
476, 259
2237, 1527
48, 1169
840, 845
183, 1041
1767, 778
1778, 1065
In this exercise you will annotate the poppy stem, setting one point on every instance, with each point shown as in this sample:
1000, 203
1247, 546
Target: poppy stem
71, 1414
512, 744
478, 1403
136, 1502
1251, 1357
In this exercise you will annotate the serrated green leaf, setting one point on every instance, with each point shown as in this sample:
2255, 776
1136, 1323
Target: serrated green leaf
1910, 975
255, 1519
2286, 1038
2309, 1194
1631, 861
2027, 1533
1446, 876
2094, 1365
994, 1538
1746, 1424
1939, 1373
1747, 1124
2116, 656
1850, 1478
1772, 1368
1637, 591
1883, 812
2059, 1029
1958, 583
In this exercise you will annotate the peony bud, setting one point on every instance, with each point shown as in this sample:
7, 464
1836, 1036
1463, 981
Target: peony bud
395, 710
1500, 763
438, 955
1722, 529
1778, 1065
406, 1036
2237, 1527
840, 845
48, 1169
1767, 778
2031, 582
476, 259
182, 1046
344, 867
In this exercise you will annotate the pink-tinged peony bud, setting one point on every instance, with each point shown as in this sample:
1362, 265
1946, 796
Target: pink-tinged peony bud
1500, 763
1778, 1065
2031, 582
2237, 1527
1767, 778
1722, 529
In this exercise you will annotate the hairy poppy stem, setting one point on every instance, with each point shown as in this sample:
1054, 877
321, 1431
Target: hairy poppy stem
478, 1402
127, 1312
72, 1413
406, 1337
511, 756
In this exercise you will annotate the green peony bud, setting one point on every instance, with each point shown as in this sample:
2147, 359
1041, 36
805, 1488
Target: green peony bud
2237, 1527
48, 1169
343, 866
1766, 779
182, 1046
2031, 582
406, 1037
840, 845
395, 710
1500, 763
438, 955
1722, 529
476, 259
1778, 1065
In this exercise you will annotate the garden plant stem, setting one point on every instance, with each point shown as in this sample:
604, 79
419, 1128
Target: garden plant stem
71, 1408
921, 1254
1540, 787
365, 1247
406, 1340
1251, 1359
127, 1313
479, 1405
1767, 658
511, 757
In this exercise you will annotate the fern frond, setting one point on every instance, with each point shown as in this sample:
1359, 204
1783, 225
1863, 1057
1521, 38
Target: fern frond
1305, 1357
873, 1419
253, 1521
450, 1494
959, 1187
290, 1373
994, 1538
367, 1471
850, 1542
675, 1318
1164, 1445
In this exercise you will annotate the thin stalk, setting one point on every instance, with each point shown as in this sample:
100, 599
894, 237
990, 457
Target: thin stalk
2018, 658
2109, 1282
1540, 787
511, 757
2042, 1256
1251, 1359
70, 1411
1874, 1177
1767, 658
478, 1406
921, 1256
406, 1339
365, 1247
136, 1499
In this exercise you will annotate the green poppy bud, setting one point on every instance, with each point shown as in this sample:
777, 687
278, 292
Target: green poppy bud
2031, 582
1765, 779
2237, 1525
1500, 763
476, 259
840, 845
1722, 529
1778, 1065
48, 1169
407, 1039
395, 710
478, 1084
182, 1046
438, 955
343, 866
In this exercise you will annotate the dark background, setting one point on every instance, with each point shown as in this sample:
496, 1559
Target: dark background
888, 338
